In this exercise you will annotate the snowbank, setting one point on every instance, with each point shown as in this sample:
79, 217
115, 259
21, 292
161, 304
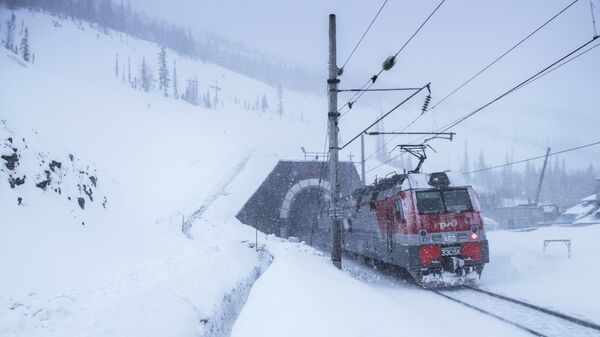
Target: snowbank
520, 268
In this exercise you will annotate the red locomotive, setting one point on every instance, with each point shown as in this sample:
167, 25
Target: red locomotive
421, 223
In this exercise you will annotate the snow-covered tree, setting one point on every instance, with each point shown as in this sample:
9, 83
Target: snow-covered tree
129, 70
207, 100
146, 77
279, 100
163, 71
117, 65
106, 14
10, 29
191, 91
175, 90
25, 53
264, 105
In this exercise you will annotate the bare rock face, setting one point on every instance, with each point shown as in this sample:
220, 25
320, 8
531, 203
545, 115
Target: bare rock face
12, 160
44, 183
16, 181
53, 173
81, 202
55, 164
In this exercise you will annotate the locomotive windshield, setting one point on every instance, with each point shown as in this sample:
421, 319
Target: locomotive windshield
430, 202
457, 201
450, 201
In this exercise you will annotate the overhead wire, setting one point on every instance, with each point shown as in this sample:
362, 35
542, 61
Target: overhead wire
562, 64
533, 158
552, 67
385, 115
364, 34
518, 86
476, 75
503, 55
371, 81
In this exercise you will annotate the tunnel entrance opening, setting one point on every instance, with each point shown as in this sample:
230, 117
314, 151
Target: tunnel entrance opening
308, 215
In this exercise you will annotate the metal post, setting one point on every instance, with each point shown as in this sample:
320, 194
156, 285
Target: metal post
334, 211
362, 159
539, 188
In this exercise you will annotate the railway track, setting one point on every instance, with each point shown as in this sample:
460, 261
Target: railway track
536, 320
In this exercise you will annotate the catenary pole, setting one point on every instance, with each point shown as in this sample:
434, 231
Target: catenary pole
332, 117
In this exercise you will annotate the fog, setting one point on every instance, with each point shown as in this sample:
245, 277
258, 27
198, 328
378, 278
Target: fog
457, 42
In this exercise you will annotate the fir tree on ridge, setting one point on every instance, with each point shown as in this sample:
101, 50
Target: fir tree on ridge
25, 53
163, 71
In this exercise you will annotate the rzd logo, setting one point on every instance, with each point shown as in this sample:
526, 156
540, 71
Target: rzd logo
447, 225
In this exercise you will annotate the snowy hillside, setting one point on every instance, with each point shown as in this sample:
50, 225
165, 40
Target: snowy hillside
157, 161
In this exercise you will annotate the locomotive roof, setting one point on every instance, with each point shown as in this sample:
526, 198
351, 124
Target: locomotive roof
403, 181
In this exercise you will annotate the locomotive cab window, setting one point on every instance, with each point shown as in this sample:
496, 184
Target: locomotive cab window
400, 211
447, 201
457, 201
430, 202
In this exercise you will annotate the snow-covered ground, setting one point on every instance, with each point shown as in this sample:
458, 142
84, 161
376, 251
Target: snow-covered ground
128, 270
520, 268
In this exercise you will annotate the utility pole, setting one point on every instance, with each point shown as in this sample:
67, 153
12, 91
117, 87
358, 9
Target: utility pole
362, 159
333, 114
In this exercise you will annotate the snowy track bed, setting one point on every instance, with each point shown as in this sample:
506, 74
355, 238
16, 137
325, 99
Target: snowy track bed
533, 319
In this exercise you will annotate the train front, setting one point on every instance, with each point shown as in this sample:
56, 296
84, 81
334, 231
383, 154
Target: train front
452, 248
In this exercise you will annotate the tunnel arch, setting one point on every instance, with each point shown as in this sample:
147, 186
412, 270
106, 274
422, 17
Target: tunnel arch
288, 200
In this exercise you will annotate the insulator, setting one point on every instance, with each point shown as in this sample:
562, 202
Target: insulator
426, 103
389, 63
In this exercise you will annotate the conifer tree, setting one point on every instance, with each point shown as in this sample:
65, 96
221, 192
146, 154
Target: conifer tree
264, 104
175, 90
163, 71
10, 28
145, 76
279, 100
25, 53
117, 65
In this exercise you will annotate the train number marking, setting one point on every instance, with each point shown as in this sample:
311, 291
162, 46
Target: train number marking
450, 251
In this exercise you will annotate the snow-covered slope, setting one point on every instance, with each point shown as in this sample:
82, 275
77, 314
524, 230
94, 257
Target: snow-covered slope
98, 271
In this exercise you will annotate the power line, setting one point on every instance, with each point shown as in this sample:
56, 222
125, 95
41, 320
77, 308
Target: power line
562, 64
420, 27
364, 34
402, 129
369, 83
533, 158
479, 73
517, 87
385, 115
503, 55
380, 89
554, 66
